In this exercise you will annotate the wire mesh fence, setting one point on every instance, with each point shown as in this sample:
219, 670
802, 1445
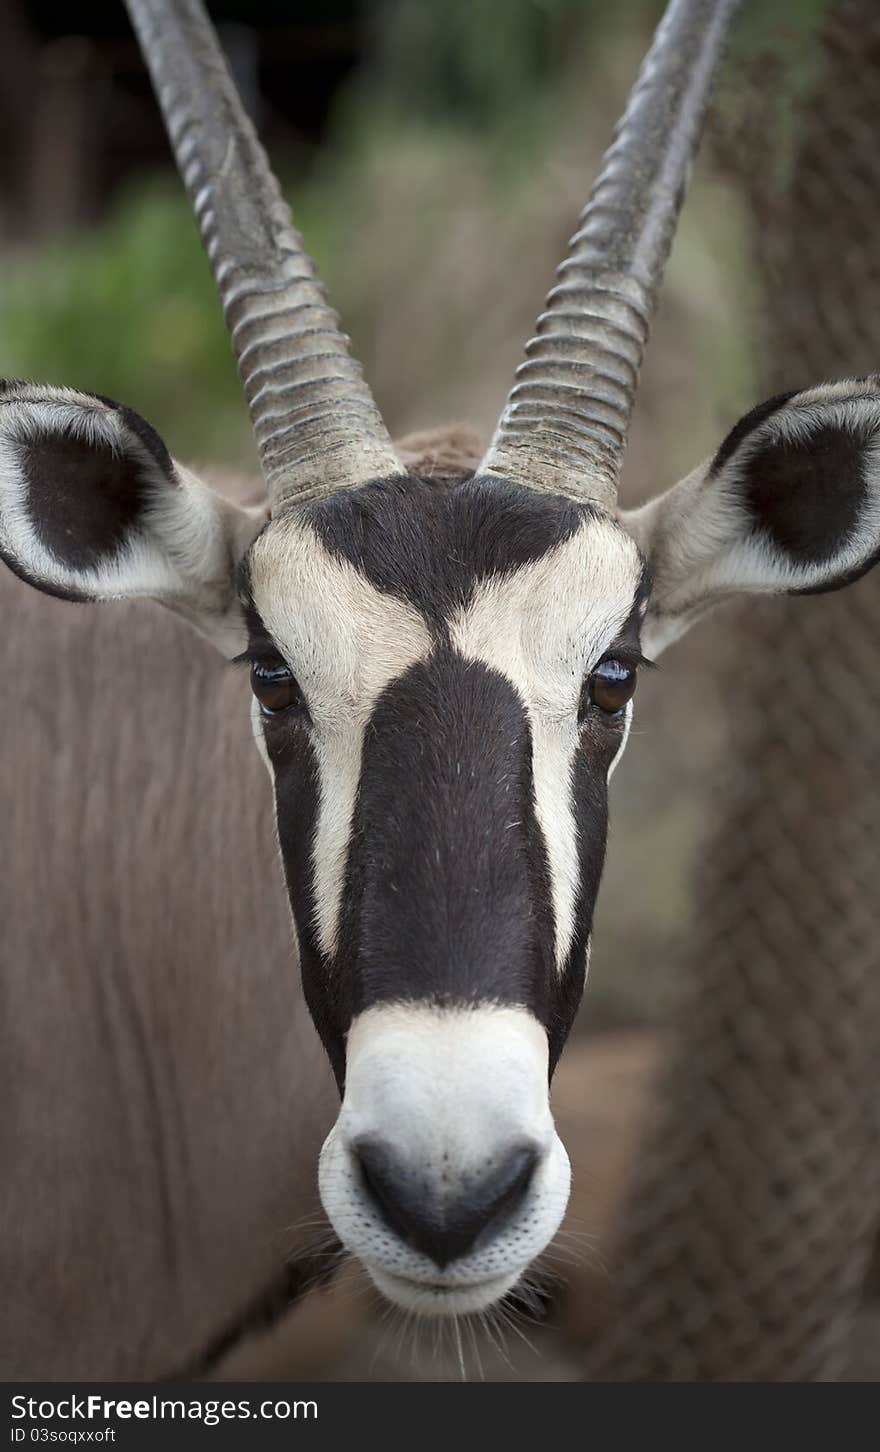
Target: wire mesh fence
750, 1224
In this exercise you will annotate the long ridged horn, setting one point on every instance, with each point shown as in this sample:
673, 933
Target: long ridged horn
317, 426
565, 422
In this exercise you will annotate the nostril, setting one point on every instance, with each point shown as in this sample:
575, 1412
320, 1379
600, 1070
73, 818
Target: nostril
444, 1224
388, 1184
504, 1187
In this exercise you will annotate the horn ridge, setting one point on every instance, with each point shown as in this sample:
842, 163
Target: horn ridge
293, 358
590, 338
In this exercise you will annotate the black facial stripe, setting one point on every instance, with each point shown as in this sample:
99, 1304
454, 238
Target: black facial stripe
429, 541
297, 796
590, 798
448, 894
807, 495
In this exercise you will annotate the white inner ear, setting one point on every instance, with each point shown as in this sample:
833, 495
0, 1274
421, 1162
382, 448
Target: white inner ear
543, 626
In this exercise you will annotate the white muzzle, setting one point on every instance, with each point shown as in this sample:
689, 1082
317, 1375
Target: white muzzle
443, 1173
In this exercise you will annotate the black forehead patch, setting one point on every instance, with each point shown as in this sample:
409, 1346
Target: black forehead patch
430, 541
807, 494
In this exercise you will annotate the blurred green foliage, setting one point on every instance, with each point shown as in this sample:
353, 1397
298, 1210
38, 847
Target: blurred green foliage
465, 103
129, 309
471, 88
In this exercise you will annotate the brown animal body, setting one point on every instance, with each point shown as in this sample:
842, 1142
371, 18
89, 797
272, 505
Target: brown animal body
163, 1095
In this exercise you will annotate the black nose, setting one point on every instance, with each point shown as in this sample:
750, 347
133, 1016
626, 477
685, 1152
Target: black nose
444, 1225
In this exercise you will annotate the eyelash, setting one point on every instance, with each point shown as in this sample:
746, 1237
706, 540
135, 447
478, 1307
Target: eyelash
250, 657
628, 657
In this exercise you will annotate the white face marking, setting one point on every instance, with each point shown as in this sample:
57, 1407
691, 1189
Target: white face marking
446, 1088
345, 641
543, 626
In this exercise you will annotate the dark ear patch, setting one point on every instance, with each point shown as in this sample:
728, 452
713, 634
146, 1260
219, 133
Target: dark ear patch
83, 498
807, 494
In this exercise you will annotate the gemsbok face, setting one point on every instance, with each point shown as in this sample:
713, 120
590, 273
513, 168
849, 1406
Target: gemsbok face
443, 664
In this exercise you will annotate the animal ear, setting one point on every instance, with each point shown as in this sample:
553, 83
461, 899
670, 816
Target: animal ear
790, 504
93, 507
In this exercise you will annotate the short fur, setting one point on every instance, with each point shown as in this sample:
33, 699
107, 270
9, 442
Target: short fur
164, 1095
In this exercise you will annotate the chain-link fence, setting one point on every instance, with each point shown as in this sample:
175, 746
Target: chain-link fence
747, 1238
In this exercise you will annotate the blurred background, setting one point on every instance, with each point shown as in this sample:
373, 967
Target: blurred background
436, 157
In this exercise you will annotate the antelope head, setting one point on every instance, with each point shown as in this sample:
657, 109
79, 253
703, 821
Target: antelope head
443, 668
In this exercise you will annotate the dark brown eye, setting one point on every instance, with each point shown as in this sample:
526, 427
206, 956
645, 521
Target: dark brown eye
274, 687
612, 685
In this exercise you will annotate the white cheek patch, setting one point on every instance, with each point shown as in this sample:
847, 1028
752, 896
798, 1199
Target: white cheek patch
542, 627
345, 641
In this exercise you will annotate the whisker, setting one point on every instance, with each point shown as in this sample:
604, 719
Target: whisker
457, 1330
510, 1322
386, 1327
495, 1334
469, 1323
